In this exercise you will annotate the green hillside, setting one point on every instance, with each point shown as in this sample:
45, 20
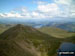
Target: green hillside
4, 27
27, 41
2, 30
70, 39
56, 32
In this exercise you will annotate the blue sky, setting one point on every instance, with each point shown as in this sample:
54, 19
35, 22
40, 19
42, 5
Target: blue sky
36, 8
8, 5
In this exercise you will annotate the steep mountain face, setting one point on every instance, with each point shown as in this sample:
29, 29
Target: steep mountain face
27, 41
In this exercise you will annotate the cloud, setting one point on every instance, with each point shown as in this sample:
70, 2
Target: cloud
17, 13
73, 15
38, 15
10, 15
40, 2
66, 2
48, 8
43, 10
72, 9
68, 7
14, 15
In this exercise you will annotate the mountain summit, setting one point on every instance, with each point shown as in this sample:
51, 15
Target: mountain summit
19, 31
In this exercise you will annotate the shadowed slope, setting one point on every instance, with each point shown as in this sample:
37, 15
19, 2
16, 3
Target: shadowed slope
70, 39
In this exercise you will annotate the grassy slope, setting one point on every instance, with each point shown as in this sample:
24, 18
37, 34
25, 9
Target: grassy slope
2, 30
27, 41
56, 32
4, 27
23, 38
70, 39
11, 48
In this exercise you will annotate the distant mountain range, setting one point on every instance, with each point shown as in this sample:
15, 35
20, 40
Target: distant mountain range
63, 23
68, 26
23, 40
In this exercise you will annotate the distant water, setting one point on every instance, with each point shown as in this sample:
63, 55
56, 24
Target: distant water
67, 47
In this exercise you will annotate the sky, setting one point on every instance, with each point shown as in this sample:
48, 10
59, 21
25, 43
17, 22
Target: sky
37, 9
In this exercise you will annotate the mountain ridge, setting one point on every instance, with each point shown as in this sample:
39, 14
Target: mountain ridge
25, 39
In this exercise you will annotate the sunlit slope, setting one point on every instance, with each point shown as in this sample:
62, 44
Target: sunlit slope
4, 27
56, 32
2, 30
